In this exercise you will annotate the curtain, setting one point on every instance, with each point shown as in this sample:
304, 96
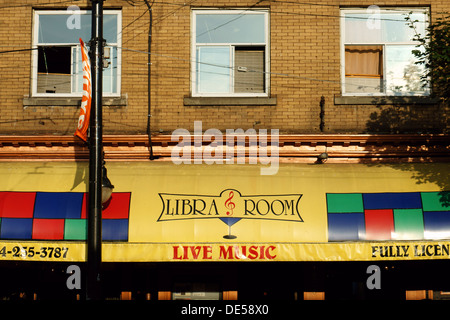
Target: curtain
364, 61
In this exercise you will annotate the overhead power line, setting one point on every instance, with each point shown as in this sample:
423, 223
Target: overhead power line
19, 50
34, 4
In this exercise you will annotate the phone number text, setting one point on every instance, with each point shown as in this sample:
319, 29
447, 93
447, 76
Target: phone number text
34, 252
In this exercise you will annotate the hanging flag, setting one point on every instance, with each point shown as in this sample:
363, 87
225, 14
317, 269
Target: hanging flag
85, 111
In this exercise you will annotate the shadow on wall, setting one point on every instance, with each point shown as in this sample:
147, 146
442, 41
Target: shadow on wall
403, 118
408, 118
424, 173
82, 166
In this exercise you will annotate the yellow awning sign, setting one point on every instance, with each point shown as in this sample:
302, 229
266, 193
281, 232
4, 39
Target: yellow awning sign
171, 213
226, 252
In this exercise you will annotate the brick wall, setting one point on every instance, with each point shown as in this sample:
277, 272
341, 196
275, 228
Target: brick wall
304, 62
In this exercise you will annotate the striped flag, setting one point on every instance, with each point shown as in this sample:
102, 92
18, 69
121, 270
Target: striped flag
85, 111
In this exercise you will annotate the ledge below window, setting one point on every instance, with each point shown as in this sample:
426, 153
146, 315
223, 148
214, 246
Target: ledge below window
71, 101
230, 101
377, 100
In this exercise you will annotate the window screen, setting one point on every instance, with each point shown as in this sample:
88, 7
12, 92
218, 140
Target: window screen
249, 71
54, 70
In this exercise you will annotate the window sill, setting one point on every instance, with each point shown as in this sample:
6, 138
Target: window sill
71, 101
384, 100
230, 101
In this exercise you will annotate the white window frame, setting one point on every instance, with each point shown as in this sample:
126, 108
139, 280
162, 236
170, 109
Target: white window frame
343, 43
36, 44
266, 46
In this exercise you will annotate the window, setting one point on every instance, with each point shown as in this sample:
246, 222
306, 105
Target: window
230, 53
57, 67
196, 291
376, 52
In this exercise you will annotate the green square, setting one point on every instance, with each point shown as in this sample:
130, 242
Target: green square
408, 224
345, 202
433, 201
75, 229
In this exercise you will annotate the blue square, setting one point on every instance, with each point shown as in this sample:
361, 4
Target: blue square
58, 205
16, 228
115, 229
407, 200
436, 224
346, 226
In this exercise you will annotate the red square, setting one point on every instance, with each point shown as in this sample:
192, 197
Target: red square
379, 224
48, 229
118, 207
17, 204
84, 206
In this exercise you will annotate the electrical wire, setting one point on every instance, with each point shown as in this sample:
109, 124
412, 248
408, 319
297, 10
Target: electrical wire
32, 5
18, 50
225, 67
156, 21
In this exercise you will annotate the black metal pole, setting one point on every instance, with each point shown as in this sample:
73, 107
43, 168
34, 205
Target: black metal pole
94, 235
149, 67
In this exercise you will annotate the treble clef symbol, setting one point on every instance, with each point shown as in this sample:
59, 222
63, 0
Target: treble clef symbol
230, 204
